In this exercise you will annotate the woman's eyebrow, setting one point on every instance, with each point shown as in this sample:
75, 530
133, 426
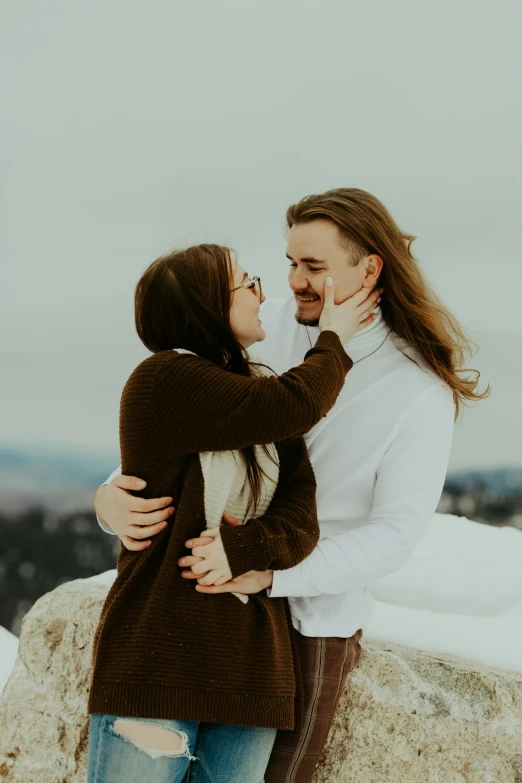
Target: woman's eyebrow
308, 260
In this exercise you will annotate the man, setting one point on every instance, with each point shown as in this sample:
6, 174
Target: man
380, 455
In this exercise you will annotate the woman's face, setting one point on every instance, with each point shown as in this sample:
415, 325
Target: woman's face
244, 309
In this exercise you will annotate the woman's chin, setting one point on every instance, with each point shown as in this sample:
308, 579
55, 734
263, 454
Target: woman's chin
258, 337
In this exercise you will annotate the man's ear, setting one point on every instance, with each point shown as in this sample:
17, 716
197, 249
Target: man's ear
373, 268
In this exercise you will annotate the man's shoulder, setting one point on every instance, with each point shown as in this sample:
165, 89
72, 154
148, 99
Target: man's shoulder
418, 381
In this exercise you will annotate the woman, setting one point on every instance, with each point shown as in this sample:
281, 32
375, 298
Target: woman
199, 423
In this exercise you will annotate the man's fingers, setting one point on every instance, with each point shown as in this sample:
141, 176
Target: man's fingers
129, 482
144, 506
227, 587
152, 517
190, 575
134, 546
209, 578
147, 531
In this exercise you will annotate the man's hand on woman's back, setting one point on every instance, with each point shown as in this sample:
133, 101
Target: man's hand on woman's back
133, 519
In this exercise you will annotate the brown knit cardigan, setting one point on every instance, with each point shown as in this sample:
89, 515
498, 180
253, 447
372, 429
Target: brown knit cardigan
161, 649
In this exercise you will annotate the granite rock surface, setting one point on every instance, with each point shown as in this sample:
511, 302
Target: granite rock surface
406, 716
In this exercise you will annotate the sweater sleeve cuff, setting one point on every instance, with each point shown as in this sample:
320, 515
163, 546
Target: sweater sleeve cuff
244, 548
329, 339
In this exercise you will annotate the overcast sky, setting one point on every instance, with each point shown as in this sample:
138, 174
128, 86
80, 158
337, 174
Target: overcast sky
131, 128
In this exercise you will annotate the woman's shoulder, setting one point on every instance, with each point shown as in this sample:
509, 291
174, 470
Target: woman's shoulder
169, 364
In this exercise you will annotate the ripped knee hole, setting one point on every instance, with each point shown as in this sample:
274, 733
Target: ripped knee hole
154, 740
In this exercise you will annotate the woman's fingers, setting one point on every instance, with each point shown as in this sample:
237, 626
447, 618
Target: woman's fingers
369, 306
365, 296
366, 322
360, 296
201, 567
203, 551
189, 561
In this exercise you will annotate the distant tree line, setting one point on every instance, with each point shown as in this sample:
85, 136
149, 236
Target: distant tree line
40, 549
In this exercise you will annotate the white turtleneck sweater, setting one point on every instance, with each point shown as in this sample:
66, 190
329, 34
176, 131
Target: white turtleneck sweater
380, 458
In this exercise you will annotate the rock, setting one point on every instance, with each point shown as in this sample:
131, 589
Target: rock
43, 715
406, 716
413, 717
8, 653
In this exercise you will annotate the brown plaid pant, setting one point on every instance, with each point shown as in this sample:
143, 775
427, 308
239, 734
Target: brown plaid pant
326, 663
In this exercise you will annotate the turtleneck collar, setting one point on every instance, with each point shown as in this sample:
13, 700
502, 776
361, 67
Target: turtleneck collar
365, 341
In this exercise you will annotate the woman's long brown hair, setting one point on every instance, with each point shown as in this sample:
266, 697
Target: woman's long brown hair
183, 300
409, 306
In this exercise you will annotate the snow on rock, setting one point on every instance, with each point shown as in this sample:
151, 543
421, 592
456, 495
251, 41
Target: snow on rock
405, 716
8, 653
460, 593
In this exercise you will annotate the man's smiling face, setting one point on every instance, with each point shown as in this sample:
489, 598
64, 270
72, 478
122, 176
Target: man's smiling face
315, 252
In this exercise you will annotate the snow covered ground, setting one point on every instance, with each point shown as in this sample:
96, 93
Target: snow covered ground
460, 593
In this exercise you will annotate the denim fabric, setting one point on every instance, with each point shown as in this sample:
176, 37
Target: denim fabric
212, 753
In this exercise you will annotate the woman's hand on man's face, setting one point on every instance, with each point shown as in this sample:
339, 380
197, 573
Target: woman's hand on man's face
133, 519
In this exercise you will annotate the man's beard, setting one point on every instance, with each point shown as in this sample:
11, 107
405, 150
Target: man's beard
304, 321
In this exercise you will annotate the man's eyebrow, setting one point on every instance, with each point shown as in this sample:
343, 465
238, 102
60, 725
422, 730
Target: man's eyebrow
245, 277
308, 260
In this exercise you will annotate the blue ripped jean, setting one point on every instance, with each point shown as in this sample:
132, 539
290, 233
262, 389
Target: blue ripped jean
210, 752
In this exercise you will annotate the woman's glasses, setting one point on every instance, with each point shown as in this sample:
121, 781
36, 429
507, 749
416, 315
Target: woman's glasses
252, 282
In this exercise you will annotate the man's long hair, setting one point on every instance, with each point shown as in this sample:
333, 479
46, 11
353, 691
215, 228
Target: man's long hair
409, 306
183, 300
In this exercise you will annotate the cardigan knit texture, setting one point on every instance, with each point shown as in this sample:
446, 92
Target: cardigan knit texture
162, 649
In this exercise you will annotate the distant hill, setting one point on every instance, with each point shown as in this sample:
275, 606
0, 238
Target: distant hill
504, 482
64, 480
56, 468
